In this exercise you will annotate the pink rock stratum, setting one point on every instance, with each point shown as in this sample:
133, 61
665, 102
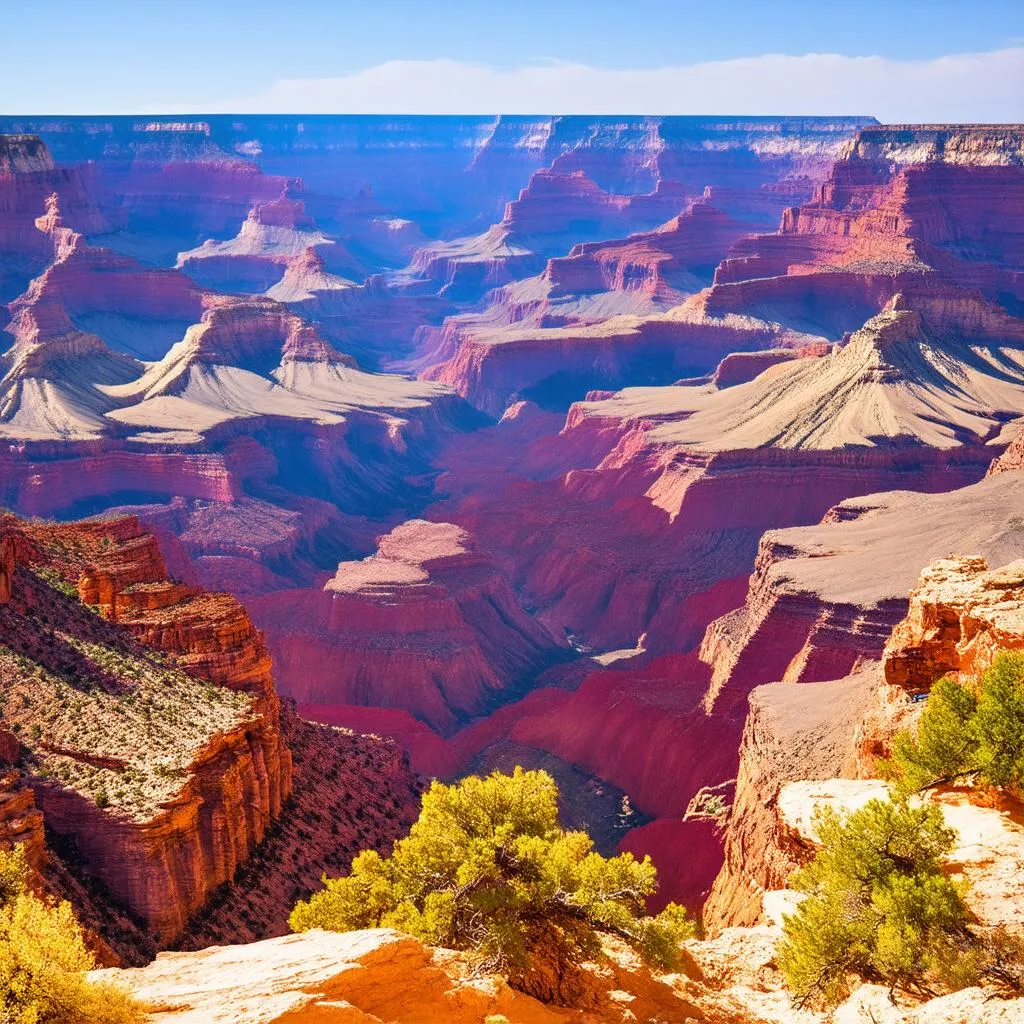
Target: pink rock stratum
675, 456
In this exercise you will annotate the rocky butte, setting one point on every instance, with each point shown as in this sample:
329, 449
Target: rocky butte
676, 456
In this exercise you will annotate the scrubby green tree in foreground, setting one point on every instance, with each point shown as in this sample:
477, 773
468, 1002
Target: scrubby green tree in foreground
877, 905
966, 731
43, 961
486, 868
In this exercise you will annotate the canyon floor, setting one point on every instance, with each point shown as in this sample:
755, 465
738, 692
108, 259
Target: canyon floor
674, 456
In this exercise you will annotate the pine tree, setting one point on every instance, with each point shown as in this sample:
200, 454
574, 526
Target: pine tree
966, 731
999, 721
945, 746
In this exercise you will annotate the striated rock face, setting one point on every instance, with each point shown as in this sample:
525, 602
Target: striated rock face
273, 234
27, 178
791, 733
901, 202
825, 598
427, 623
553, 212
349, 793
957, 618
592, 319
961, 615
153, 739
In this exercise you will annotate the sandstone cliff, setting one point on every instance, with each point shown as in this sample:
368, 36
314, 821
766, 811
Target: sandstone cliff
957, 617
150, 727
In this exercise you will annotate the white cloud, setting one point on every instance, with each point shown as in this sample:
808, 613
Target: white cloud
961, 87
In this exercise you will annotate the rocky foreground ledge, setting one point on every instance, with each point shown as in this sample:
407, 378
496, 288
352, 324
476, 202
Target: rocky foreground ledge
379, 976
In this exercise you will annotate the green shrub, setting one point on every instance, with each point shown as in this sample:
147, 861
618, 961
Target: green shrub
44, 960
486, 868
966, 732
877, 905
998, 724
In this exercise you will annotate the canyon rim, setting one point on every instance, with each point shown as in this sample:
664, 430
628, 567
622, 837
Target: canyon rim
419, 530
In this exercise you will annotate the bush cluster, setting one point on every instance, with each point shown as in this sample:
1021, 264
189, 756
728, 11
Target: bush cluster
44, 960
965, 731
486, 868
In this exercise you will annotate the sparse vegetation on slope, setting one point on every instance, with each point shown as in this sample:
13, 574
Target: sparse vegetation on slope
487, 868
44, 960
120, 726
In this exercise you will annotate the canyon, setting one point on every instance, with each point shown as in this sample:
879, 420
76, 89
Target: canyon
675, 456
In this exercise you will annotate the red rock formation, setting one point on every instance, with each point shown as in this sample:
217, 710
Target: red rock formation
824, 598
21, 822
554, 211
961, 614
139, 309
27, 177
163, 849
890, 211
427, 624
957, 618
274, 234
791, 733
681, 464
350, 793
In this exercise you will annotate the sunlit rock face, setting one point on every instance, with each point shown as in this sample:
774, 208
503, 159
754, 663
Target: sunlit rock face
559, 440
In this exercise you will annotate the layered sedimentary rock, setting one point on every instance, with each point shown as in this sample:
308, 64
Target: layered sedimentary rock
255, 259
75, 397
791, 732
350, 793
138, 310
902, 404
150, 725
824, 598
594, 318
427, 624
957, 617
27, 177
961, 614
554, 211
899, 205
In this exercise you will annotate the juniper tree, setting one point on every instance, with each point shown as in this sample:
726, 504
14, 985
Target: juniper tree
488, 869
877, 905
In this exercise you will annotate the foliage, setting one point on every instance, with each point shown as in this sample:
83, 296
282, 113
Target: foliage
487, 868
962, 732
945, 746
44, 960
999, 721
877, 905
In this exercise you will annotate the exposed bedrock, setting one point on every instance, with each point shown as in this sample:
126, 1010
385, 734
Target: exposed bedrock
161, 851
824, 598
427, 624
958, 615
791, 732
28, 177
882, 219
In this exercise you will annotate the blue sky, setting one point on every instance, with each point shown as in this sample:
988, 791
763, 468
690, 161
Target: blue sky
113, 56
